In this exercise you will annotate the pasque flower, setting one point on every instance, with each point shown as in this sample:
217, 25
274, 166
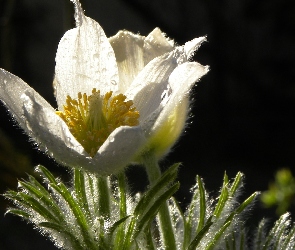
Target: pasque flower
116, 97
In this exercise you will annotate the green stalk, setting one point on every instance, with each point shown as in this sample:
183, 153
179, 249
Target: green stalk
165, 222
104, 197
123, 207
103, 208
123, 191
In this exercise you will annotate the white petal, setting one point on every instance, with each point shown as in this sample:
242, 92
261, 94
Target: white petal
133, 52
147, 88
156, 44
119, 150
116, 153
35, 115
181, 81
193, 45
47, 128
151, 88
128, 49
11, 90
84, 60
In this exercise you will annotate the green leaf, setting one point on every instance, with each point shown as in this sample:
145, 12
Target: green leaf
290, 237
78, 213
34, 204
46, 173
122, 189
149, 239
169, 175
43, 196
117, 223
79, 185
103, 197
138, 224
202, 203
274, 234
61, 230
224, 195
260, 235
151, 213
19, 213
195, 242
188, 225
241, 208
217, 236
236, 184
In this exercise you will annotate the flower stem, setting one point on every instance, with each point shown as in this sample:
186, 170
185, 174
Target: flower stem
165, 223
123, 207
123, 191
104, 196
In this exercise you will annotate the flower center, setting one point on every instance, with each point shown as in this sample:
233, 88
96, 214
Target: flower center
91, 119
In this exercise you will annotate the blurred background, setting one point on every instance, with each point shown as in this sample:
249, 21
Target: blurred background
242, 111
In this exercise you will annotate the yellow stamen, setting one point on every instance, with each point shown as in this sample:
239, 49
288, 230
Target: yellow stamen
91, 119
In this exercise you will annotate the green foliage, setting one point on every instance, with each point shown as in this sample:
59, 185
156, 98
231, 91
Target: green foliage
99, 213
86, 215
281, 192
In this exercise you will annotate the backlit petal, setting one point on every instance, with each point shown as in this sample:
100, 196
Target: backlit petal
156, 44
133, 52
171, 120
116, 153
47, 128
84, 60
192, 46
147, 88
128, 49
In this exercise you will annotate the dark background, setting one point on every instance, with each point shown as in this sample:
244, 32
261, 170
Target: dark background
242, 111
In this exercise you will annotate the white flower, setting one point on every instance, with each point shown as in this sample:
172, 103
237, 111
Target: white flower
116, 97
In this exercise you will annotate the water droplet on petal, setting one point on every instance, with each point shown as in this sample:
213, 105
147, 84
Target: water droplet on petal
113, 82
103, 71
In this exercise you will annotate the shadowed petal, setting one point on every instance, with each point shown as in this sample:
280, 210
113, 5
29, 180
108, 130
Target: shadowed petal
147, 88
181, 81
119, 150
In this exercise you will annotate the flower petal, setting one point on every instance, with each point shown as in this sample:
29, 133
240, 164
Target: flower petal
128, 49
116, 153
147, 88
192, 46
35, 115
171, 120
184, 76
84, 60
156, 44
119, 150
11, 89
151, 88
133, 52
48, 129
